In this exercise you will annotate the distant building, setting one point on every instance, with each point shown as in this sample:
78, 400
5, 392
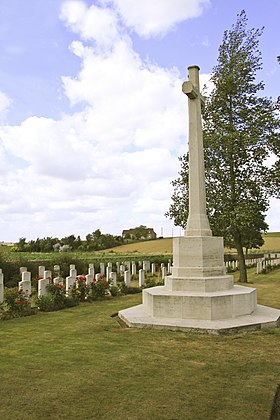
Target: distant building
141, 232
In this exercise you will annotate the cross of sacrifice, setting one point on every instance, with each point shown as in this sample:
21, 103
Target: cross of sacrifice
197, 224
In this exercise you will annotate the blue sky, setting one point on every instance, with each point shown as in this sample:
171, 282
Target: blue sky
92, 118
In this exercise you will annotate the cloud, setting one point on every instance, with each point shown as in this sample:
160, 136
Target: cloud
109, 165
5, 103
93, 23
157, 17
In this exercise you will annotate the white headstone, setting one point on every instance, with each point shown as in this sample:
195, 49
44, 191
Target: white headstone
127, 278
102, 268
42, 287
89, 279
26, 276
41, 270
73, 273
113, 278
56, 268
141, 274
146, 265
69, 282
97, 276
47, 274
169, 268
91, 271
25, 283
58, 280
133, 269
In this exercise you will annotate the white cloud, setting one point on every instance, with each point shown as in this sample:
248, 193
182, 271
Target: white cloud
97, 168
109, 165
272, 218
93, 23
5, 103
157, 17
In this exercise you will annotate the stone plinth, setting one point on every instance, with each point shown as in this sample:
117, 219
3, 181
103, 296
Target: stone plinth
161, 303
198, 256
263, 317
199, 295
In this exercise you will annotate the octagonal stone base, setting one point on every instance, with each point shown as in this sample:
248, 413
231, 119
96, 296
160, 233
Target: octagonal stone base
199, 295
160, 302
263, 317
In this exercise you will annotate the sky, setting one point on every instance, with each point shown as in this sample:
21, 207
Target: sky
92, 116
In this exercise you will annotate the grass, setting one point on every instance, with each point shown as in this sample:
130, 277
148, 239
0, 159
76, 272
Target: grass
155, 247
165, 246
80, 364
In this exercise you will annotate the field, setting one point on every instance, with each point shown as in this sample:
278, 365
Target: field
80, 364
164, 246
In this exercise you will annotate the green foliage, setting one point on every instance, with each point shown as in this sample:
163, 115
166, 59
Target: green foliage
114, 290
240, 131
56, 298
94, 241
17, 303
152, 282
125, 290
98, 289
80, 289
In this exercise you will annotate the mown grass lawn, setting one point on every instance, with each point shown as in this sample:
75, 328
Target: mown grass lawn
80, 364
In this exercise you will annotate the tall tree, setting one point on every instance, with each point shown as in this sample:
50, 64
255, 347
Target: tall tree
240, 129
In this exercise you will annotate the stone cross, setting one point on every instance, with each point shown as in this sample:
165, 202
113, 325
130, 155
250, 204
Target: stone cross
197, 224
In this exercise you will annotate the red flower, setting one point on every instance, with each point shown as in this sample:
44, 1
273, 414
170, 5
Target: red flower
18, 301
39, 278
20, 291
25, 302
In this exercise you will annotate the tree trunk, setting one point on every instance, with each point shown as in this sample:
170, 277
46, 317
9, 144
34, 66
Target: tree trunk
241, 259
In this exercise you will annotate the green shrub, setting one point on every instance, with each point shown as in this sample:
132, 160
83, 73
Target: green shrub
114, 290
49, 303
17, 303
98, 289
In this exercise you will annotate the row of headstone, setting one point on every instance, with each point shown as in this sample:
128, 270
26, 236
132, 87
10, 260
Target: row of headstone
264, 263
272, 255
232, 265
260, 263
126, 269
